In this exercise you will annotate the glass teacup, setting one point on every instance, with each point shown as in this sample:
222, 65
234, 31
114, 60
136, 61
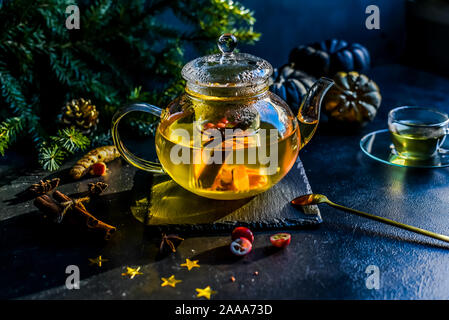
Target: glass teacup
417, 133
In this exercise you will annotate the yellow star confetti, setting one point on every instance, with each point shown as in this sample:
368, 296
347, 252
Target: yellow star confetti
98, 261
206, 292
190, 264
170, 281
132, 272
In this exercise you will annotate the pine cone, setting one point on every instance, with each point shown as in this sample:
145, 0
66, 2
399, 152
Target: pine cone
81, 114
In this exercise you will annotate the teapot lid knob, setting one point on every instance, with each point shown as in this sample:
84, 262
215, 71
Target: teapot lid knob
227, 68
227, 43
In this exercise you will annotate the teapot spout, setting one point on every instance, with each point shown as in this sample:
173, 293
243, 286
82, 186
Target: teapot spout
309, 112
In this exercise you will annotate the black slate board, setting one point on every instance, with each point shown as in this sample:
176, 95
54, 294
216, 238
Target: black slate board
169, 207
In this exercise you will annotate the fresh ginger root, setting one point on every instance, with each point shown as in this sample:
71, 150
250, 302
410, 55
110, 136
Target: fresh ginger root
100, 154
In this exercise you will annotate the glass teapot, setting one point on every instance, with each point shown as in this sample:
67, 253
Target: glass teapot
227, 137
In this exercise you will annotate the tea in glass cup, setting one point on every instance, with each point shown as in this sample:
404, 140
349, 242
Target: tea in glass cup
417, 133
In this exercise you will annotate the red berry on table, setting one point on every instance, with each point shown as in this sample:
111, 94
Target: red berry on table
209, 125
224, 120
242, 232
241, 246
281, 240
98, 169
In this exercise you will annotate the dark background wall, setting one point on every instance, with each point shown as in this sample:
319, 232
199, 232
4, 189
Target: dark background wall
288, 23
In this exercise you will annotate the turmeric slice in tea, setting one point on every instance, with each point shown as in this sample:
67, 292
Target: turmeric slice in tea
256, 179
240, 179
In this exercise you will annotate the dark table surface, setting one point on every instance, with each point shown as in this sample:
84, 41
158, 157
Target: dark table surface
329, 262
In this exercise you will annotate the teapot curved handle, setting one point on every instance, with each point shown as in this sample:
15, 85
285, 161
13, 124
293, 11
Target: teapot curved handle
124, 152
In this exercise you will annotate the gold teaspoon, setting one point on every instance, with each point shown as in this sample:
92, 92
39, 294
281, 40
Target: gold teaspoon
310, 199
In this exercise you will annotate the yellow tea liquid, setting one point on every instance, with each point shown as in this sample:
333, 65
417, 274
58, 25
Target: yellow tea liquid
415, 146
239, 175
414, 140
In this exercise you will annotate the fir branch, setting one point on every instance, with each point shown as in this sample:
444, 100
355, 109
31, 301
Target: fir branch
99, 11
71, 140
53, 13
9, 129
121, 43
51, 157
12, 91
137, 94
67, 68
144, 128
103, 139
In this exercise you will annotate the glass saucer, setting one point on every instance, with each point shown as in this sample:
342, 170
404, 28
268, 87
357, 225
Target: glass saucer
377, 145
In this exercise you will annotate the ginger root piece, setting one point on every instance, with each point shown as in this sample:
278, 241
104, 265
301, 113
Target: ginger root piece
101, 154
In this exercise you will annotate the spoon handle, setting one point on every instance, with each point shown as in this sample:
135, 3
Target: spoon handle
391, 222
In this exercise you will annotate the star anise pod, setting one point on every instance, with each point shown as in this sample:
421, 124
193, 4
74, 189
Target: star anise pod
43, 187
96, 188
167, 240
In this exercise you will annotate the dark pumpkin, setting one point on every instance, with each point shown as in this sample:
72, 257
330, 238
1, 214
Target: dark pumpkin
291, 85
326, 58
353, 99
310, 60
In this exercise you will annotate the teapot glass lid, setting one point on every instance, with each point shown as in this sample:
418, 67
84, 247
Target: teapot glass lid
227, 69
